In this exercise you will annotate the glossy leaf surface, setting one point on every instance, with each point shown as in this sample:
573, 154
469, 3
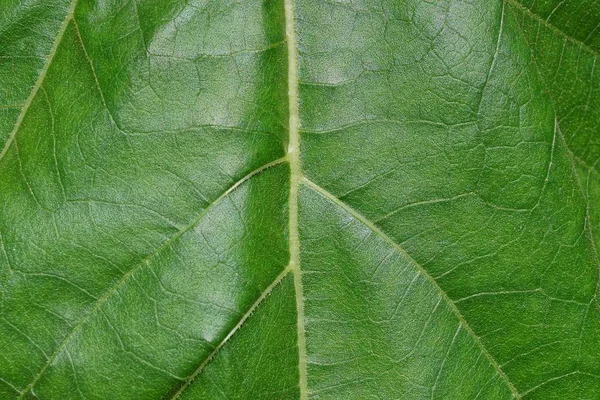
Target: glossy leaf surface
310, 199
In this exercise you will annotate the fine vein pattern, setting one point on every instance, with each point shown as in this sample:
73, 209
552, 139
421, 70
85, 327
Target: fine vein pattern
299, 199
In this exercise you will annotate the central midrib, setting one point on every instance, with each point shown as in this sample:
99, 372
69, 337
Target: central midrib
296, 178
293, 154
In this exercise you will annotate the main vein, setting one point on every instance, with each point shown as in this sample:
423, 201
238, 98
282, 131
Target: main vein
295, 177
40, 79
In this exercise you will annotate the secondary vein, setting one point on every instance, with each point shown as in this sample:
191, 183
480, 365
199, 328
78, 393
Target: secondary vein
423, 272
114, 288
40, 79
237, 326
526, 11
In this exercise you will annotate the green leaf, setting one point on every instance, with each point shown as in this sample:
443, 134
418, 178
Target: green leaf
312, 199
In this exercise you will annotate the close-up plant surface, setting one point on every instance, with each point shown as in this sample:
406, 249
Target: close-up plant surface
299, 199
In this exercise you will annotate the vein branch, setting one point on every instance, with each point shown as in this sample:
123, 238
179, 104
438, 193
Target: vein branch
526, 11
40, 79
113, 289
237, 326
423, 272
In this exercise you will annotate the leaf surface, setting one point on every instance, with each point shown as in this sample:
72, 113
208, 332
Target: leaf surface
310, 199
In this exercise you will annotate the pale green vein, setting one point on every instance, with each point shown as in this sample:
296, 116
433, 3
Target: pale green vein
40, 79
494, 57
295, 177
586, 198
113, 289
556, 378
557, 131
9, 385
96, 81
423, 272
526, 11
237, 326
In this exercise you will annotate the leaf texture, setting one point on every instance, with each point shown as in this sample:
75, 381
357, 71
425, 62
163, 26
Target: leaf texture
311, 199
